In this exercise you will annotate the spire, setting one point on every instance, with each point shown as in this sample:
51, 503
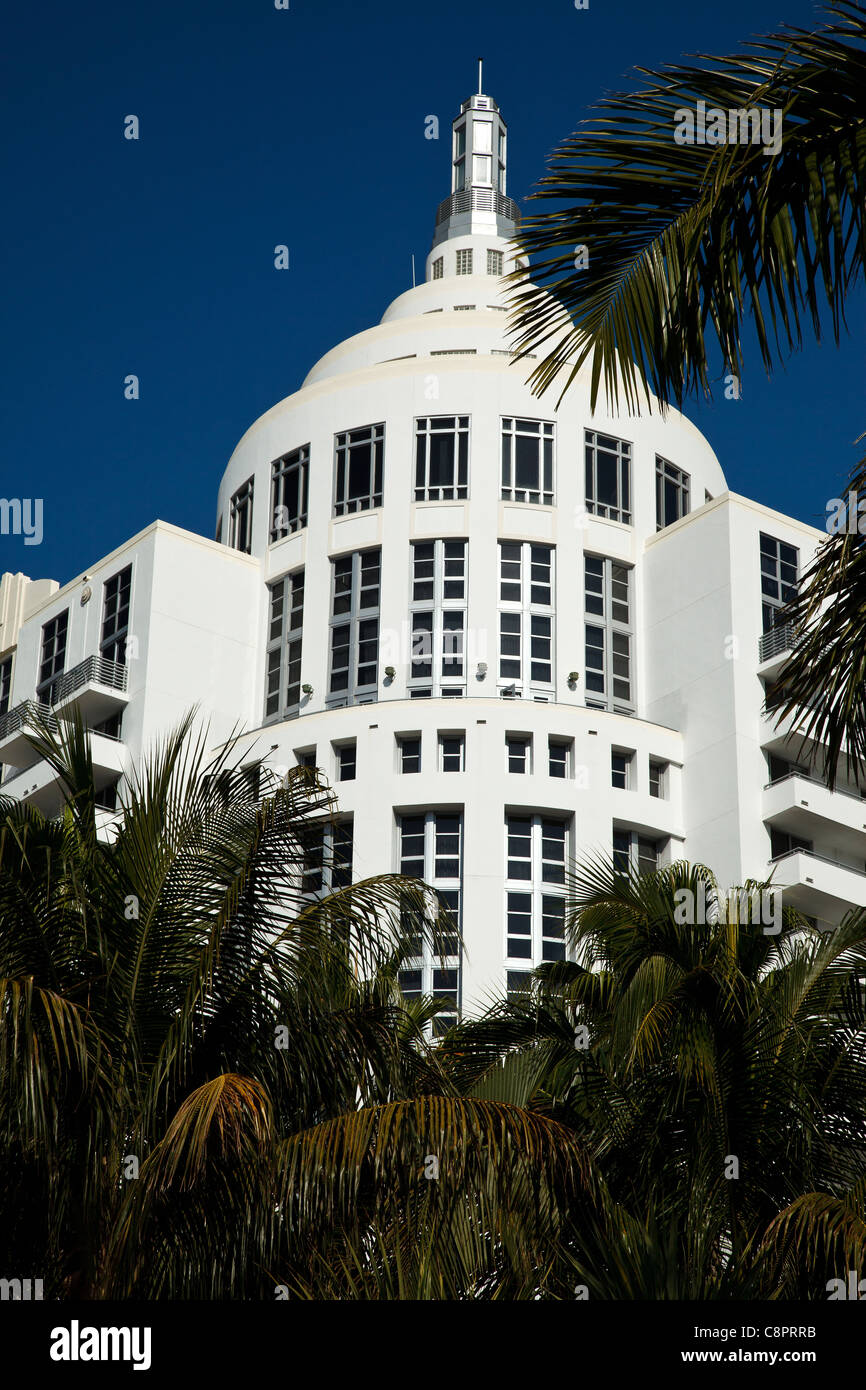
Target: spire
478, 202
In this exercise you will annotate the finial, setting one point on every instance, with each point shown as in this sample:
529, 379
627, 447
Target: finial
480, 88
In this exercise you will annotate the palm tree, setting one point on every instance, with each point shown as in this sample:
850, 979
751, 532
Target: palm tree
210, 1085
688, 242
715, 1073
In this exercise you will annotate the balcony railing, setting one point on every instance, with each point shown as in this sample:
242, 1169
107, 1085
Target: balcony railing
816, 782
824, 859
479, 200
97, 670
777, 641
24, 714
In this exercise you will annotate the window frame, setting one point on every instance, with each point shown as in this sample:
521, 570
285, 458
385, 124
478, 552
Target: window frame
284, 647
777, 590
566, 745
636, 848
362, 622
660, 780
512, 429
438, 619
621, 511
54, 645
459, 431
614, 633
346, 504
543, 885
6, 672
296, 461
241, 507
114, 627
669, 474
450, 886
522, 617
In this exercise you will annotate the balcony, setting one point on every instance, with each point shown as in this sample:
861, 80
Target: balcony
818, 886
40, 785
774, 648
477, 199
95, 686
805, 807
15, 747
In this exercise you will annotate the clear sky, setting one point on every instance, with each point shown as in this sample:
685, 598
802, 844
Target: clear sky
261, 126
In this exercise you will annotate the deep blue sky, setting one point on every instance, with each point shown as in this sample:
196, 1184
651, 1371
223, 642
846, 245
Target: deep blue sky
305, 127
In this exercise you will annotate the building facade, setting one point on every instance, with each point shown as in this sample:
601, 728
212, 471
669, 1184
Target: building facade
513, 635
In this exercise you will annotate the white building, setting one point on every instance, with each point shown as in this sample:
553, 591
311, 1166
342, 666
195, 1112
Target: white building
511, 635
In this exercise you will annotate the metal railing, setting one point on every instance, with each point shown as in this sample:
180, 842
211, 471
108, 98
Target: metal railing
96, 669
25, 714
816, 782
777, 641
478, 200
824, 859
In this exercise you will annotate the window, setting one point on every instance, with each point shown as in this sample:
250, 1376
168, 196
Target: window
482, 137
442, 458
609, 675
241, 518
452, 753
53, 659
481, 168
354, 626
289, 485
518, 752
306, 757
635, 852
409, 751
5, 684
658, 779
525, 617
110, 727
608, 477
779, 565
106, 798
464, 262
115, 616
781, 843
708, 497
518, 984
359, 465
494, 262
559, 757
437, 618
346, 761
437, 268
431, 849
672, 493
285, 632
621, 769
780, 768
527, 461
327, 857
535, 880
